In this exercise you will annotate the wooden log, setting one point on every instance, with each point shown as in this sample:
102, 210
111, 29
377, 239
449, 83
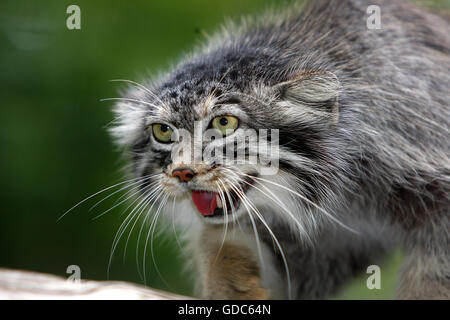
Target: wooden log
19, 284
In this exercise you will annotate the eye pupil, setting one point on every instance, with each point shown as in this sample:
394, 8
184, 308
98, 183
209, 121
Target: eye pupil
162, 132
223, 121
225, 124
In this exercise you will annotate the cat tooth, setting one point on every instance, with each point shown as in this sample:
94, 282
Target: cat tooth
219, 202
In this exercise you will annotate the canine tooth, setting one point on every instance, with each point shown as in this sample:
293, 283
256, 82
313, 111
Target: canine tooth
219, 202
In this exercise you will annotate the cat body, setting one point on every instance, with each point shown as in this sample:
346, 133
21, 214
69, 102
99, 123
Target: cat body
361, 117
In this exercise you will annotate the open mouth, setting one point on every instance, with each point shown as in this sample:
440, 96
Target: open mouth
211, 204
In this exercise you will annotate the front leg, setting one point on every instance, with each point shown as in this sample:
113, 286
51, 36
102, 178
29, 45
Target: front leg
227, 269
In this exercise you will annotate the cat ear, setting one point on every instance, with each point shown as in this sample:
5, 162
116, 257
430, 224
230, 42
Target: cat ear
312, 93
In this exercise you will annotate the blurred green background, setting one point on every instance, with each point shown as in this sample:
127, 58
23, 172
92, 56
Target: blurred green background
55, 150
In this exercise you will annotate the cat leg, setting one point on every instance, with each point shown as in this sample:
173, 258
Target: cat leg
230, 268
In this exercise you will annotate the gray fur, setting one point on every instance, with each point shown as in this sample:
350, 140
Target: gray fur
364, 126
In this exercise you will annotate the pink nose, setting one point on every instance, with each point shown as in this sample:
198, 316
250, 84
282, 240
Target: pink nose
183, 174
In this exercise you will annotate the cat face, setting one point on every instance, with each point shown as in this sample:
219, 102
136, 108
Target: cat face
218, 140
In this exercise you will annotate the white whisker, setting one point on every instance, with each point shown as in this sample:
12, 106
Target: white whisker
137, 101
140, 86
275, 239
117, 191
128, 220
273, 197
151, 235
141, 229
173, 224
97, 193
124, 200
140, 211
225, 211
326, 213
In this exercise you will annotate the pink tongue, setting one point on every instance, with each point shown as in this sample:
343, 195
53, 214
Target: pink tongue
205, 202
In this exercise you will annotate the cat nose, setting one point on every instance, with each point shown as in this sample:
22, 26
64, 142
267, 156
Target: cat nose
183, 174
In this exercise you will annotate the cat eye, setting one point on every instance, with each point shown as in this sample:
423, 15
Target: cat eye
225, 124
162, 132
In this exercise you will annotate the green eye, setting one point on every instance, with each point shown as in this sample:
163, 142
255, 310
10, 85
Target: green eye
162, 132
225, 124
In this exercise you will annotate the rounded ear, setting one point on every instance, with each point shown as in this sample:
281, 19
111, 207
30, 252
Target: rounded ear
316, 92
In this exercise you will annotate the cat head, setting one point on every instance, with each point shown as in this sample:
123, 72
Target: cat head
230, 134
